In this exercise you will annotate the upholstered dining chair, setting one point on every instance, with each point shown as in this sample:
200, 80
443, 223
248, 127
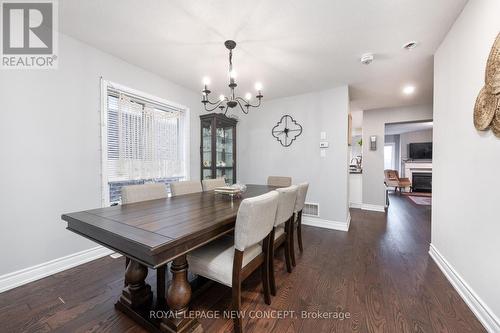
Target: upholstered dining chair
229, 260
299, 205
185, 187
281, 231
279, 181
145, 192
210, 184
392, 179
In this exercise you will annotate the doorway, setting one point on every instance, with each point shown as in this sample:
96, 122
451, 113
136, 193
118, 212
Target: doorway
408, 160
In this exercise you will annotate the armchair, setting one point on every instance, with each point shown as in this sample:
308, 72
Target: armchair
392, 180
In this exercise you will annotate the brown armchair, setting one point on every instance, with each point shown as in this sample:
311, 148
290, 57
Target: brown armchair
392, 180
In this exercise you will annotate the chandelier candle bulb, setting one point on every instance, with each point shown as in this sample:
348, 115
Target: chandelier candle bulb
221, 98
248, 96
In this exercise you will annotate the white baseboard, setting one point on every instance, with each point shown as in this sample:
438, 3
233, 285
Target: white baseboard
30, 274
373, 208
360, 205
327, 224
483, 313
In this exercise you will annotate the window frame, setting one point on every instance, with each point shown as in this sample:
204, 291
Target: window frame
186, 129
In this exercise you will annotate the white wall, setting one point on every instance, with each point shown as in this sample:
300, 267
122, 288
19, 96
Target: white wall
260, 155
373, 160
413, 137
465, 214
50, 144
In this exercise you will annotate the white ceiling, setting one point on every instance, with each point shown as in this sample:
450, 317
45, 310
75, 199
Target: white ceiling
392, 129
291, 46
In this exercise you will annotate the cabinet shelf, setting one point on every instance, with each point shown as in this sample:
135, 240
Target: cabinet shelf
219, 167
219, 152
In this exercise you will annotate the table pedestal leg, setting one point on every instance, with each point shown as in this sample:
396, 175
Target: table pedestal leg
137, 294
178, 297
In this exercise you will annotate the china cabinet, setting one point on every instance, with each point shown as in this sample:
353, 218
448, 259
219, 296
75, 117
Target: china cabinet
218, 147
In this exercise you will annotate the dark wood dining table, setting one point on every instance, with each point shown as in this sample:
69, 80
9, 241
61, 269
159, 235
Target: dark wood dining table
154, 233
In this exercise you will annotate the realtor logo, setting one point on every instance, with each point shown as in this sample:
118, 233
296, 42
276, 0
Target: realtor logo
29, 34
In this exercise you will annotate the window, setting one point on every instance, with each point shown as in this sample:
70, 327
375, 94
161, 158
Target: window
143, 140
389, 156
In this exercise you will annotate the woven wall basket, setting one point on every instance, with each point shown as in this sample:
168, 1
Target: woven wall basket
487, 107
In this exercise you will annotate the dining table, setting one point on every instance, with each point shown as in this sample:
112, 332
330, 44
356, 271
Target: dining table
151, 234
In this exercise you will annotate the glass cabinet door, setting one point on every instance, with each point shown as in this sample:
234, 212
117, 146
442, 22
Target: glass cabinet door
224, 151
206, 148
218, 147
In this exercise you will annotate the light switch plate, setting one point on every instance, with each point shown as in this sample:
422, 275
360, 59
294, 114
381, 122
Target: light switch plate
322, 152
323, 144
323, 135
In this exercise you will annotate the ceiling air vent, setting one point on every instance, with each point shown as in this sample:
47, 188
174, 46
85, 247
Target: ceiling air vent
311, 209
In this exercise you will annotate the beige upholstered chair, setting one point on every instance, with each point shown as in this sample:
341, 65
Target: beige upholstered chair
229, 261
391, 179
281, 231
145, 192
279, 181
299, 205
185, 187
210, 184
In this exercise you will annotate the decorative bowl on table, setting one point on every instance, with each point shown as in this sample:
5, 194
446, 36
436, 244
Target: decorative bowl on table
234, 190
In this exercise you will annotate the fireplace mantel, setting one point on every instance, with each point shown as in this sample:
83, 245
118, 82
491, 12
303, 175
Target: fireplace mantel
410, 167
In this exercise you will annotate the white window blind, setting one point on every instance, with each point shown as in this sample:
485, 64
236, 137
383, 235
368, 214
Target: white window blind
145, 141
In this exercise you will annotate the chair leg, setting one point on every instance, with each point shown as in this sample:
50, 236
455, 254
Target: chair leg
299, 232
288, 259
236, 289
290, 242
264, 268
270, 264
237, 322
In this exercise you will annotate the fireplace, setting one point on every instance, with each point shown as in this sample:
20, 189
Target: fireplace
421, 181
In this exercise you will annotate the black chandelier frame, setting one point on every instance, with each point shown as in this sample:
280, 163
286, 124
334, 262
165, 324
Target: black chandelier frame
232, 101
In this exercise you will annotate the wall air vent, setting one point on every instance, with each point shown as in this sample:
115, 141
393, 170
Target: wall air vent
311, 209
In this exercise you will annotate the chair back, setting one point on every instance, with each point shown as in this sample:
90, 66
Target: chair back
391, 174
210, 184
286, 204
255, 219
301, 196
185, 187
144, 192
279, 181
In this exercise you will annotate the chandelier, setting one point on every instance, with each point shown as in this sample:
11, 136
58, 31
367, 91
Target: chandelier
231, 101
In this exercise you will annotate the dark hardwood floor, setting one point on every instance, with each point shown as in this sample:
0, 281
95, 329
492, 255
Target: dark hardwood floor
379, 272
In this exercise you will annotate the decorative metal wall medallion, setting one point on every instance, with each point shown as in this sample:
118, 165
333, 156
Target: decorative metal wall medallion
286, 130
